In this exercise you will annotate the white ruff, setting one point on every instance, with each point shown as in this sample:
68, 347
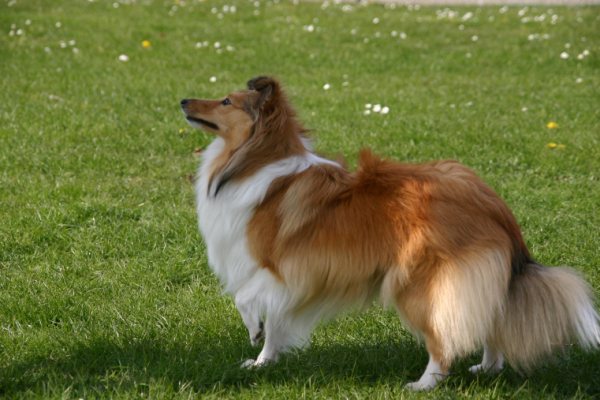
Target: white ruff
223, 219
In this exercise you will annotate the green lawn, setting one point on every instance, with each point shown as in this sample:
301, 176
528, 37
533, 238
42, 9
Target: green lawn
104, 286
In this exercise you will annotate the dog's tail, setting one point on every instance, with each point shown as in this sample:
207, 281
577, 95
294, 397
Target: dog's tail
547, 308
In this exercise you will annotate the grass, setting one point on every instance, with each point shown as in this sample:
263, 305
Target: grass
104, 287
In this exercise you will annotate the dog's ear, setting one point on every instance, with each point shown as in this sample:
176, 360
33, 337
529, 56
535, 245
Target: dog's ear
267, 88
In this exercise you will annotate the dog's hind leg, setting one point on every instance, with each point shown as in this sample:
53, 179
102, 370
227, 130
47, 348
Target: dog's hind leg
436, 369
415, 313
492, 362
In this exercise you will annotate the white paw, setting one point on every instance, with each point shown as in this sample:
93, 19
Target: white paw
249, 363
490, 369
416, 386
475, 369
259, 362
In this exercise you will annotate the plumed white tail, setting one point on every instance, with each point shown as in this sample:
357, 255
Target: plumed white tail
547, 308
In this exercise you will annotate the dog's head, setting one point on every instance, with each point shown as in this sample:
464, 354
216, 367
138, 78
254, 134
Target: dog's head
235, 114
258, 125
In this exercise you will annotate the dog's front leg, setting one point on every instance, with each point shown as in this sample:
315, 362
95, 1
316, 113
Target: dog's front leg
277, 339
251, 317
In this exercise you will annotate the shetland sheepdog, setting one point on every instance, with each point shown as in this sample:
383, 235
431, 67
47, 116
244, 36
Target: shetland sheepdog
296, 238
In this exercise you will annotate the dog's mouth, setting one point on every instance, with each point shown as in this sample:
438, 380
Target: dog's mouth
204, 122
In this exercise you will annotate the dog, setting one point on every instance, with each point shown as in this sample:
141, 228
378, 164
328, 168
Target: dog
296, 239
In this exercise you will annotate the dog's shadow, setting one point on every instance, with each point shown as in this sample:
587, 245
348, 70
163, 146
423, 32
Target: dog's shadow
212, 363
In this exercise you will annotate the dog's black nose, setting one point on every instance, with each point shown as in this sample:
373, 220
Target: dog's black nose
184, 102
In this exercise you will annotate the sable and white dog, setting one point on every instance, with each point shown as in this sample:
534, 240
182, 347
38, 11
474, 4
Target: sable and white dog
296, 238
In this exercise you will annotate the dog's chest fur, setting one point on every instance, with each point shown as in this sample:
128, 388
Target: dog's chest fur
223, 219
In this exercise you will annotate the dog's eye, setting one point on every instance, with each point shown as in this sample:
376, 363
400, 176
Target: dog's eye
226, 102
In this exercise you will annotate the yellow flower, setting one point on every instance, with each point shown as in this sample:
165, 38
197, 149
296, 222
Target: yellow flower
551, 125
181, 130
146, 44
551, 145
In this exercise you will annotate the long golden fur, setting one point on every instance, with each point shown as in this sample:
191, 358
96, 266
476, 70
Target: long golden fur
432, 240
